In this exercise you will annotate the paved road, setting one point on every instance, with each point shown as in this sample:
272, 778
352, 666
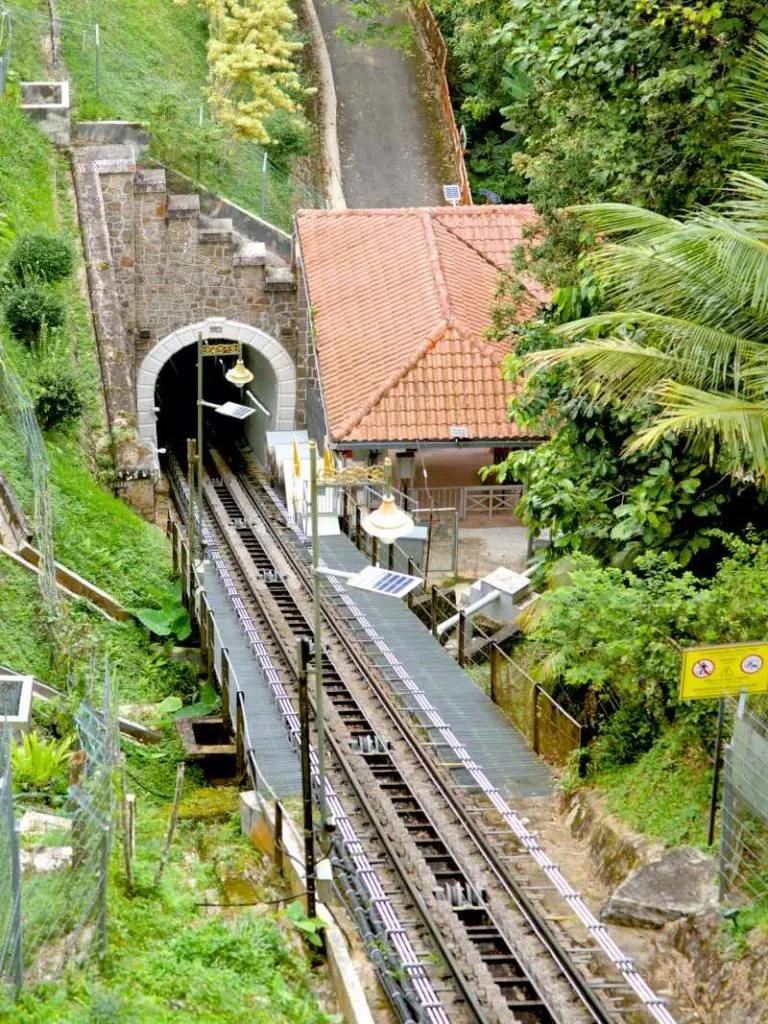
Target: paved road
392, 151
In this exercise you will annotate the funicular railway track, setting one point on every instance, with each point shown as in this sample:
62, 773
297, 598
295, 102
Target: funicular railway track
490, 952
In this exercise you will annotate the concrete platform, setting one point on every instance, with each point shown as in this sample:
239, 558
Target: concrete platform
491, 739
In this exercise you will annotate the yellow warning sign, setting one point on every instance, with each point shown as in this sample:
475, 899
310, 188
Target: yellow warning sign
718, 669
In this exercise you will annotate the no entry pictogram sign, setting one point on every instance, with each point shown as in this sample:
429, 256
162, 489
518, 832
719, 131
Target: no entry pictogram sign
716, 670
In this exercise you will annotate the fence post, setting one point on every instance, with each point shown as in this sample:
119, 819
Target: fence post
726, 836
225, 712
306, 780
344, 511
203, 626
535, 719
374, 550
716, 772
462, 639
433, 610
495, 661
175, 548
264, 164
358, 528
17, 956
103, 885
409, 598
209, 653
391, 556
455, 545
97, 36
279, 837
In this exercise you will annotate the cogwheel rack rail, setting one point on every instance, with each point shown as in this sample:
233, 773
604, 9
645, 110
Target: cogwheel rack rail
524, 999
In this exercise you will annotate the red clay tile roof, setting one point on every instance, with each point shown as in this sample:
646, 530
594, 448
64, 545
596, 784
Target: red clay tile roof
401, 299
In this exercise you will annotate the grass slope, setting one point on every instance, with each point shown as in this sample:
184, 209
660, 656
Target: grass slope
170, 961
94, 533
665, 794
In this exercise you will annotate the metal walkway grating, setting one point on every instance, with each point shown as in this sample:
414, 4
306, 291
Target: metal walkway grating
276, 758
490, 738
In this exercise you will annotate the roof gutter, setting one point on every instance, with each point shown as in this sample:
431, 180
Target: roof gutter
456, 442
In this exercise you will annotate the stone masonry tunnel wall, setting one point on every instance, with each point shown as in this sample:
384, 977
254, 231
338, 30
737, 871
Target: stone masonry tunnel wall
159, 268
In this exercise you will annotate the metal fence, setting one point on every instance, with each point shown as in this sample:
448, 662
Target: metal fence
439, 52
54, 891
485, 501
5, 48
744, 817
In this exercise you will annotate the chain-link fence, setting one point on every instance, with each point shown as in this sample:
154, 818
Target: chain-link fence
54, 866
5, 48
744, 816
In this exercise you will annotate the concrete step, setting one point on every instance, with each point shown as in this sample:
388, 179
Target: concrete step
250, 254
215, 229
184, 207
280, 279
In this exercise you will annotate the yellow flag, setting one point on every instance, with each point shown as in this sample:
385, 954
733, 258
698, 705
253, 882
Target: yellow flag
328, 467
296, 460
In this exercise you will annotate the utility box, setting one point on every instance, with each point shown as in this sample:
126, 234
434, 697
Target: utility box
513, 589
15, 702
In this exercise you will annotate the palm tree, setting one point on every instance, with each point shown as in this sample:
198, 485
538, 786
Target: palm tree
687, 319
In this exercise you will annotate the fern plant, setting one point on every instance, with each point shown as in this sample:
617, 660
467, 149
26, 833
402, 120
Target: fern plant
40, 764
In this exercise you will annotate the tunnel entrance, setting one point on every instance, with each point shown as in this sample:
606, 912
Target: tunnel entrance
167, 388
176, 402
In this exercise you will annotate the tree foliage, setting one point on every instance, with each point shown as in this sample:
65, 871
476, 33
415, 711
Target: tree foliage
605, 639
580, 100
251, 56
687, 313
585, 490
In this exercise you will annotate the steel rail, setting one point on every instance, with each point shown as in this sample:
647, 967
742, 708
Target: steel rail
597, 930
514, 891
360, 794
256, 555
431, 1008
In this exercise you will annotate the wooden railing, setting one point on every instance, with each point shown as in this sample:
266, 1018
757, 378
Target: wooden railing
439, 53
483, 499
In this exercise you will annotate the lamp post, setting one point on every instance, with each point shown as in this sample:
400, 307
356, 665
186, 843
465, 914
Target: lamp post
239, 375
387, 523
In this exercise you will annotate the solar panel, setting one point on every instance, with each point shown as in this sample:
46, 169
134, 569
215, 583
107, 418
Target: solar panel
384, 581
452, 194
235, 411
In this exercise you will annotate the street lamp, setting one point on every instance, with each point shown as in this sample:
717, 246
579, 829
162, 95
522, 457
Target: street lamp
388, 523
239, 375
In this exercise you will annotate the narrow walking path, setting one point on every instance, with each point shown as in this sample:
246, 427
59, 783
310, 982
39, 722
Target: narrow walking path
391, 143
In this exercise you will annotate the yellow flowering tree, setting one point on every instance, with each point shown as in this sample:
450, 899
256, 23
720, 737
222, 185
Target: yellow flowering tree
250, 55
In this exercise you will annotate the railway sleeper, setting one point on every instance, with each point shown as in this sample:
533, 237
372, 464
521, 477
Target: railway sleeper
518, 992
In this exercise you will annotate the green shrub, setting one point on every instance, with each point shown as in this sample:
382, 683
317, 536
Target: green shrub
28, 306
43, 257
59, 396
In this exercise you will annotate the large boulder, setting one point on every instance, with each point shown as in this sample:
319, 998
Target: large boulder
679, 884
